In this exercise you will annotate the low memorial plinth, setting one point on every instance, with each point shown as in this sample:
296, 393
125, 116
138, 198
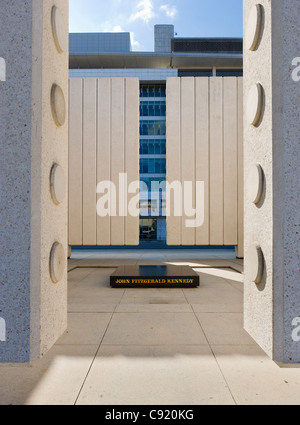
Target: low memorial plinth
168, 276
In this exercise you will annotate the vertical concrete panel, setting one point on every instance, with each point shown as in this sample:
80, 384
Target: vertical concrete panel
202, 153
33, 137
15, 192
203, 129
240, 246
258, 307
173, 155
286, 179
103, 151
89, 161
107, 146
132, 153
216, 162
54, 218
188, 157
272, 306
75, 162
117, 155
230, 161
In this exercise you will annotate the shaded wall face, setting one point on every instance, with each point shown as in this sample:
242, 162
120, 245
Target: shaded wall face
271, 140
33, 175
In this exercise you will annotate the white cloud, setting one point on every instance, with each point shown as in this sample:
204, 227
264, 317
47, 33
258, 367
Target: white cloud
170, 11
144, 11
117, 28
134, 42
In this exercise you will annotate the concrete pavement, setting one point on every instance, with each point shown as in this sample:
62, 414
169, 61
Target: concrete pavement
152, 346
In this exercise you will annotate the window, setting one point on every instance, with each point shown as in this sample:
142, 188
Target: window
153, 166
152, 90
152, 128
148, 229
153, 147
153, 109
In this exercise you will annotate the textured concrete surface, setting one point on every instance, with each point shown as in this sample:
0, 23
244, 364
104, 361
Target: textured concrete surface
286, 207
15, 176
33, 308
273, 143
143, 347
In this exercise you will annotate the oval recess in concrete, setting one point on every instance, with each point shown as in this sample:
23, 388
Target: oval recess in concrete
58, 105
254, 27
59, 30
255, 101
255, 183
57, 262
255, 263
57, 184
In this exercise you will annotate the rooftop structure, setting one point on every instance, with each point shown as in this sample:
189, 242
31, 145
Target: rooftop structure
93, 43
113, 51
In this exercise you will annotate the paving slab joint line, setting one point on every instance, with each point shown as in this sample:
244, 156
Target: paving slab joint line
95, 356
212, 352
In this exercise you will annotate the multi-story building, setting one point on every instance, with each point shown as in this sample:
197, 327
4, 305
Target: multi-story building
109, 55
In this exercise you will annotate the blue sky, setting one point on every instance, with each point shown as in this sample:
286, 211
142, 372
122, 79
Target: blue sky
191, 18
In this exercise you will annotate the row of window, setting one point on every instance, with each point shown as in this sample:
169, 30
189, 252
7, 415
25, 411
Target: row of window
153, 90
152, 166
153, 229
153, 128
152, 147
153, 109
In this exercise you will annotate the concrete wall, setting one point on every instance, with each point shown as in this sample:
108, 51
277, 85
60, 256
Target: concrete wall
163, 35
103, 142
33, 176
204, 143
271, 140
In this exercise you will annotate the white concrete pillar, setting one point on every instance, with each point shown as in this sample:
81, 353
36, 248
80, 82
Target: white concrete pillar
272, 176
33, 177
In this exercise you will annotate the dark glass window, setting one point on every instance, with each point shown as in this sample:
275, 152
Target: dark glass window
153, 109
153, 128
152, 157
195, 73
148, 229
152, 166
152, 90
153, 147
206, 45
229, 72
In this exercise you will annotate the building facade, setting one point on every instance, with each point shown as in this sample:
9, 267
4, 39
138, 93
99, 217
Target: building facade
109, 56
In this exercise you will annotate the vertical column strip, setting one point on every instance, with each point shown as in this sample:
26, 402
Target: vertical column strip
230, 161
202, 151
216, 162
